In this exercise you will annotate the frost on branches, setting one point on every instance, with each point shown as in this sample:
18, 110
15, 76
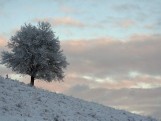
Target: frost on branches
36, 51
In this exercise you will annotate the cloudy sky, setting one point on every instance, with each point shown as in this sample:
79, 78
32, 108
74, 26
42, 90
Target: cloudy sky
113, 47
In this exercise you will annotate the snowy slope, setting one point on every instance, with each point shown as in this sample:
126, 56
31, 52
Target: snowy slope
20, 102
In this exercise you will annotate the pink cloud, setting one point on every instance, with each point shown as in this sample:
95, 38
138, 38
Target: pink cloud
87, 44
144, 37
101, 58
67, 21
63, 21
3, 41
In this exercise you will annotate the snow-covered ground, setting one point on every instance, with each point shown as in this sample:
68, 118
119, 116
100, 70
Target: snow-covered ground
20, 102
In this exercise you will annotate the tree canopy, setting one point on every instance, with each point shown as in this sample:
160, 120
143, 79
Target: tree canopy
35, 51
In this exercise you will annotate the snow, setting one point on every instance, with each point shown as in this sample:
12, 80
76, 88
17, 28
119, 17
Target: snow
20, 102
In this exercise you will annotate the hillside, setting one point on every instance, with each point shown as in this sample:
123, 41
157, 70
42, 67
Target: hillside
20, 102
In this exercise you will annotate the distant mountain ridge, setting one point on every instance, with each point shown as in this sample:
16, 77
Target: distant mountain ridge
20, 102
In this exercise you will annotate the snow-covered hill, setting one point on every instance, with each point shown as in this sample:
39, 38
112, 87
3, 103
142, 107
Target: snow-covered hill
20, 102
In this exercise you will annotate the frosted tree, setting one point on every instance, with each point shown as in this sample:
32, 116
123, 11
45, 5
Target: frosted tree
35, 51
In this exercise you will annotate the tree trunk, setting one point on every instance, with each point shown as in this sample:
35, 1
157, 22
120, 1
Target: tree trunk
32, 81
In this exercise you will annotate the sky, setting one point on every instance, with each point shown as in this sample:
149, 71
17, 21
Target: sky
113, 47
